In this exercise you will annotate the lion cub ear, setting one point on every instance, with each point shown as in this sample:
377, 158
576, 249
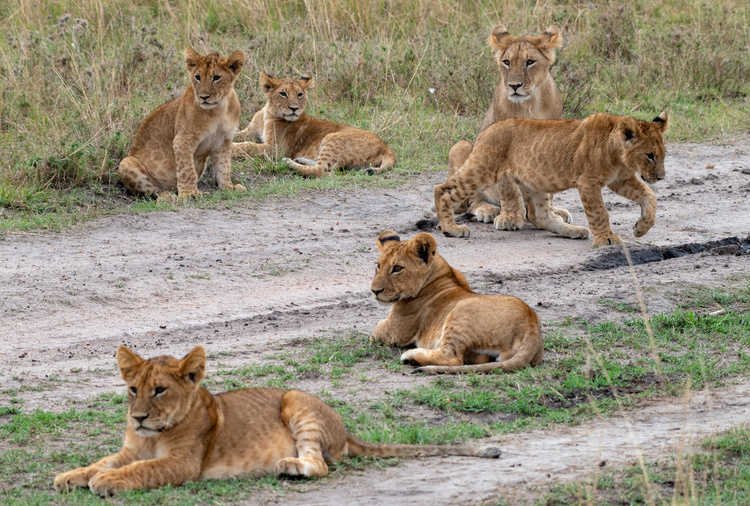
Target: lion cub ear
267, 83
424, 246
662, 121
129, 363
191, 58
550, 40
386, 239
193, 365
306, 81
500, 39
235, 61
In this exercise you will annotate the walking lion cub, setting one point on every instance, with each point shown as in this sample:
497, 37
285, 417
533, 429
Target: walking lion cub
177, 432
433, 307
313, 147
546, 156
174, 144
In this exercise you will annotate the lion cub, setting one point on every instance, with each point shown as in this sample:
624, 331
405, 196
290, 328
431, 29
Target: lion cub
177, 432
172, 147
546, 157
316, 146
526, 90
434, 308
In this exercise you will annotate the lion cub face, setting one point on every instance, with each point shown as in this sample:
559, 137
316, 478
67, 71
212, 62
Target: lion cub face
642, 146
403, 267
213, 76
524, 61
286, 97
160, 389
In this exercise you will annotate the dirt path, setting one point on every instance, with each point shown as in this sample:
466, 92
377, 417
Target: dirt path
533, 461
255, 278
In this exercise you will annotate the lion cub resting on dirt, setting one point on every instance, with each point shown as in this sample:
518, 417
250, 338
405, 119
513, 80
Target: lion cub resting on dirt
434, 308
316, 146
177, 432
547, 156
172, 146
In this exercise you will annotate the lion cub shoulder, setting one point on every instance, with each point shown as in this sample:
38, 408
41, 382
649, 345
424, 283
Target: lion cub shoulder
433, 307
175, 143
313, 147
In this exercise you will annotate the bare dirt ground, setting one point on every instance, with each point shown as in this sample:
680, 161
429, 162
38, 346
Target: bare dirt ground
252, 279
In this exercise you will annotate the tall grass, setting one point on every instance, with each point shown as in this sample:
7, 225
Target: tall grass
80, 75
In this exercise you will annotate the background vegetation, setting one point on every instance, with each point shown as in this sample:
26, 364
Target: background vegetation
80, 75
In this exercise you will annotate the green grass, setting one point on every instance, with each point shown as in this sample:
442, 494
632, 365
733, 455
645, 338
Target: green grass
718, 475
80, 76
588, 371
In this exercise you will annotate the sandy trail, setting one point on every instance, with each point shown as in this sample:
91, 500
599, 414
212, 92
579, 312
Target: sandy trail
252, 279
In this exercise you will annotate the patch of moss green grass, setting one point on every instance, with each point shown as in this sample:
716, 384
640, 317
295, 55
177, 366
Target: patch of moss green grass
720, 474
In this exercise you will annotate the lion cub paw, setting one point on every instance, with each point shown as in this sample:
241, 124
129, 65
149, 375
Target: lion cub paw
486, 213
563, 213
77, 478
607, 239
457, 231
166, 197
108, 483
641, 227
237, 188
507, 221
186, 194
301, 467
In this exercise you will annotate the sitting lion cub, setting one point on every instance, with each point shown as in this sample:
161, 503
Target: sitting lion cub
547, 156
173, 145
177, 432
317, 146
434, 308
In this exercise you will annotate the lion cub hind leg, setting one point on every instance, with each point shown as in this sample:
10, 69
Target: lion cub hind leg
544, 216
318, 434
137, 179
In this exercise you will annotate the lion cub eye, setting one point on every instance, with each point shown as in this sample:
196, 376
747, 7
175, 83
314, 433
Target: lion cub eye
506, 63
197, 78
377, 267
650, 156
159, 390
299, 95
216, 78
529, 63
283, 94
133, 390
396, 269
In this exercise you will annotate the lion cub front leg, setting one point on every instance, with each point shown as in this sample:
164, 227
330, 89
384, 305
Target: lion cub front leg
184, 147
174, 470
597, 215
512, 210
222, 166
636, 190
80, 478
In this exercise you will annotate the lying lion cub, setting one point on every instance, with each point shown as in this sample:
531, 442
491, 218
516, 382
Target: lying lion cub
434, 308
177, 432
547, 156
173, 145
317, 146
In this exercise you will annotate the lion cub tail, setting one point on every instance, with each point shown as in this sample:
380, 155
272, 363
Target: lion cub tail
356, 447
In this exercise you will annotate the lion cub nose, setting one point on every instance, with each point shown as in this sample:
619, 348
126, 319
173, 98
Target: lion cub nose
377, 292
293, 109
140, 419
515, 86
